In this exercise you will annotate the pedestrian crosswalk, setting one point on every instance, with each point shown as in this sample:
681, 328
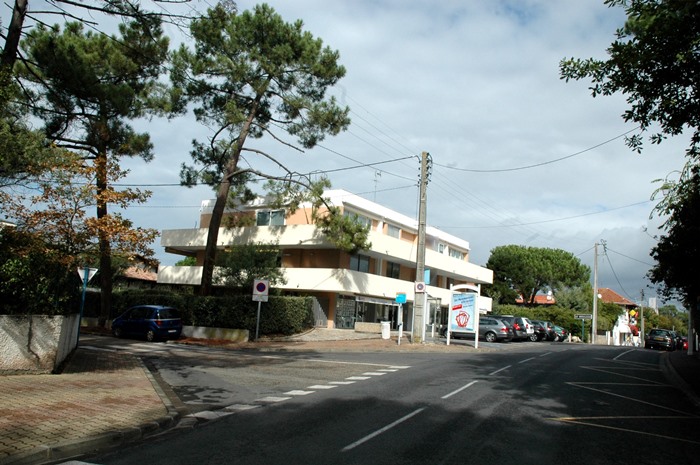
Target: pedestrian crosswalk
209, 415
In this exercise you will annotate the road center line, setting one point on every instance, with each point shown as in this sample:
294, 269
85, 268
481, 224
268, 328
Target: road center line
526, 360
382, 430
447, 396
499, 370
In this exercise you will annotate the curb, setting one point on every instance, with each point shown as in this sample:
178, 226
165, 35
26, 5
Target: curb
670, 371
74, 449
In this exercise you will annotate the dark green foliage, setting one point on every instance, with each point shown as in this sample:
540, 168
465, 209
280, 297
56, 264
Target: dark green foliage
187, 261
34, 278
525, 271
678, 250
239, 266
655, 63
280, 315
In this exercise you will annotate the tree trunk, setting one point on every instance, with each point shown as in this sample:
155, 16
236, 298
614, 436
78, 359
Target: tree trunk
104, 242
217, 213
14, 32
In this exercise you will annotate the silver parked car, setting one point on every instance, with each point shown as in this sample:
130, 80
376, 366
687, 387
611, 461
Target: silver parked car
491, 329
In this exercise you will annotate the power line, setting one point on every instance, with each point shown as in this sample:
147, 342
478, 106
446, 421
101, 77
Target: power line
539, 164
553, 220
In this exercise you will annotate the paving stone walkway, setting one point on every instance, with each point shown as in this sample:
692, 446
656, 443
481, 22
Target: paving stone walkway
99, 392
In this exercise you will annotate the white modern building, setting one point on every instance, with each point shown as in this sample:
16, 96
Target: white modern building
349, 288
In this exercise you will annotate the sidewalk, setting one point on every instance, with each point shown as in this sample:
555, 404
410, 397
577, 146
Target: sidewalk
104, 398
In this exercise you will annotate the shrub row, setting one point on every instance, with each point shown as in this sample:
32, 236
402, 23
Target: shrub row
280, 315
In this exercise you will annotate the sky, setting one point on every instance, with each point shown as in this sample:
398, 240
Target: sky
519, 156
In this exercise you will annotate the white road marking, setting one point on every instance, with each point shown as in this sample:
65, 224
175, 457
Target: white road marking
241, 407
210, 415
272, 399
447, 396
298, 392
499, 370
382, 430
321, 386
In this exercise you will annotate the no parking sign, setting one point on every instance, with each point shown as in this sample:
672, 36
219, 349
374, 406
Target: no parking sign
260, 290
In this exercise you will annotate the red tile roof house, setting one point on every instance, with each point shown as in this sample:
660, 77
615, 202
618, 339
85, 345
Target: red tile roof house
540, 299
625, 330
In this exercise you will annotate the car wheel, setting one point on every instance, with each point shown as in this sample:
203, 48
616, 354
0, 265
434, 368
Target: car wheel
556, 338
150, 336
490, 337
118, 332
533, 337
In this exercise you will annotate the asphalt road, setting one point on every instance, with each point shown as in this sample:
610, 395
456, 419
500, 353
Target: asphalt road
533, 403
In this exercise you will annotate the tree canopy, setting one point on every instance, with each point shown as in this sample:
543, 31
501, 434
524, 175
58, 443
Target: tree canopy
654, 61
253, 75
85, 87
526, 271
677, 251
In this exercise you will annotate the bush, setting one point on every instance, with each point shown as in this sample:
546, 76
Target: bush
280, 315
34, 277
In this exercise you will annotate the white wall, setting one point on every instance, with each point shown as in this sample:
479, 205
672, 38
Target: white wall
36, 343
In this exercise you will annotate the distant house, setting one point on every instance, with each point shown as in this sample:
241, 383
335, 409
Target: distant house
611, 297
140, 276
540, 299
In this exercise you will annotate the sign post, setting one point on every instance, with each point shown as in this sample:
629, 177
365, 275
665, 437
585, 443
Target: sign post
583, 317
86, 274
400, 299
261, 289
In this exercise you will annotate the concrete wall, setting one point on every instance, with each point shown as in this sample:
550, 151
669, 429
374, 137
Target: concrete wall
366, 327
36, 343
204, 332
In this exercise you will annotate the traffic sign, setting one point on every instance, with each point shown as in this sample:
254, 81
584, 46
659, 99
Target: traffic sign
261, 288
583, 316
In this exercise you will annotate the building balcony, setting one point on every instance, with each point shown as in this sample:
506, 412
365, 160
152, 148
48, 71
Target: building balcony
326, 280
383, 247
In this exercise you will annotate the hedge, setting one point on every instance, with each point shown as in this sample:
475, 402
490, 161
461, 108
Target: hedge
280, 315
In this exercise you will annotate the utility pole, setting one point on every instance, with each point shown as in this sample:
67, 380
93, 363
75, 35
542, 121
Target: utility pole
641, 318
594, 321
419, 299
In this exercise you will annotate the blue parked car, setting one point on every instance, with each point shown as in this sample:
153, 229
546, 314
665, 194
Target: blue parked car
152, 322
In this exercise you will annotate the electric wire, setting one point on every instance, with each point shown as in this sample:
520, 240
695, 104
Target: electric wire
549, 162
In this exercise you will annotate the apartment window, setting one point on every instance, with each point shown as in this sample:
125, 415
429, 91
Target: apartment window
393, 270
441, 248
270, 218
359, 263
361, 219
393, 231
457, 254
